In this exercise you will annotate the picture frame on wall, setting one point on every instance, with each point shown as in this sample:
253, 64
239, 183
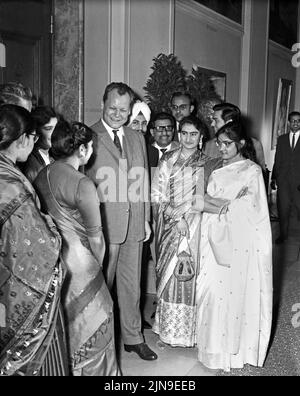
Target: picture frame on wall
218, 79
282, 110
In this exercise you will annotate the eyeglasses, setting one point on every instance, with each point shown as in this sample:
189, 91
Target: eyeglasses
181, 107
226, 144
36, 137
167, 128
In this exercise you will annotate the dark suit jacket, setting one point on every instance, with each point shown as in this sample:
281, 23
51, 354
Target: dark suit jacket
110, 173
286, 170
34, 164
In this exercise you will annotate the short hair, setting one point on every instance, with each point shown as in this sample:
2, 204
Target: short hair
230, 112
42, 115
293, 114
12, 92
14, 122
68, 137
181, 93
163, 116
235, 132
121, 88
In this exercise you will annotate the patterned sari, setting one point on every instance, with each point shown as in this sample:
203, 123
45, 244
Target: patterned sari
87, 302
176, 184
31, 329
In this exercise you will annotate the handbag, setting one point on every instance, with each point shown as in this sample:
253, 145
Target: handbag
184, 270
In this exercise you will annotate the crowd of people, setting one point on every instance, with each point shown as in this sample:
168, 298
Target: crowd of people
83, 208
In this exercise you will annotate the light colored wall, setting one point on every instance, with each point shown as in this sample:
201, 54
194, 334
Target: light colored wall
204, 38
151, 31
96, 55
121, 39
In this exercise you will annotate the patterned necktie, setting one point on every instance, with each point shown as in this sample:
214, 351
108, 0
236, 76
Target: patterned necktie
163, 151
293, 141
117, 140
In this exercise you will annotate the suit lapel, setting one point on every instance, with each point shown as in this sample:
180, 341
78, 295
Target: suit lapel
107, 142
128, 143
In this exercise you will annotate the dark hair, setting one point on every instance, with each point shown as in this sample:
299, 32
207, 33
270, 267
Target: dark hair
235, 132
67, 138
42, 115
14, 122
12, 92
198, 124
230, 112
293, 114
163, 116
178, 94
121, 88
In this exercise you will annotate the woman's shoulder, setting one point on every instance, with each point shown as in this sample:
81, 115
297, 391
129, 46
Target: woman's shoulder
251, 167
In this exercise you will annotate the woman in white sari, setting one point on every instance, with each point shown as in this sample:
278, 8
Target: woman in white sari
234, 287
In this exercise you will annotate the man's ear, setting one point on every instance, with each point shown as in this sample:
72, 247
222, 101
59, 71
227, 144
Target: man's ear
243, 142
152, 132
192, 108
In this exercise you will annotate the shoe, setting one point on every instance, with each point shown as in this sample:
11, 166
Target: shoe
142, 350
146, 325
279, 240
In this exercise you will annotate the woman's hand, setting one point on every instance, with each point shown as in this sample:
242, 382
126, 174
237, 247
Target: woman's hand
183, 228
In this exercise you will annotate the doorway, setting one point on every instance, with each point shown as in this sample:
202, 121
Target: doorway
27, 32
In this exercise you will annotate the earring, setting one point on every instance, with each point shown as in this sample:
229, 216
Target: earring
201, 143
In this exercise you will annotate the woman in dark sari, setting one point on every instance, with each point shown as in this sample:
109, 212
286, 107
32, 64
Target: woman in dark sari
31, 330
71, 200
177, 188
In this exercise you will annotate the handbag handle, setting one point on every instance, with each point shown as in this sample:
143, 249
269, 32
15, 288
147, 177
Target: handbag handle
179, 242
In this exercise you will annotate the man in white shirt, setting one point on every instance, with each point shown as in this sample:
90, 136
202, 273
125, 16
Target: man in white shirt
118, 165
286, 176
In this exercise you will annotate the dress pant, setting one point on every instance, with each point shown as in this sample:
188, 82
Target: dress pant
124, 263
284, 205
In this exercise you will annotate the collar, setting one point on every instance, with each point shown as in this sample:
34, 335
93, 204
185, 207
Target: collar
168, 148
110, 130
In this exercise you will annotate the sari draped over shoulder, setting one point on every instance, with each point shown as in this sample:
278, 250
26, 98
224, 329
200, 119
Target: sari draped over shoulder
31, 325
234, 314
87, 302
176, 185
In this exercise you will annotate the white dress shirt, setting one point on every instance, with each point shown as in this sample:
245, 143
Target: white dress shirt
296, 137
111, 134
168, 148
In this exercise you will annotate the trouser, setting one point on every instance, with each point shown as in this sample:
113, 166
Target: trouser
124, 263
284, 205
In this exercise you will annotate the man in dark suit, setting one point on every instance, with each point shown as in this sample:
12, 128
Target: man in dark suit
286, 175
181, 106
119, 170
162, 129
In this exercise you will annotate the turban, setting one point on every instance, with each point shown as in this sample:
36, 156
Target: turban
140, 107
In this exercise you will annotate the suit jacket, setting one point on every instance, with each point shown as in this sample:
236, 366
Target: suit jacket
287, 162
286, 170
117, 178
